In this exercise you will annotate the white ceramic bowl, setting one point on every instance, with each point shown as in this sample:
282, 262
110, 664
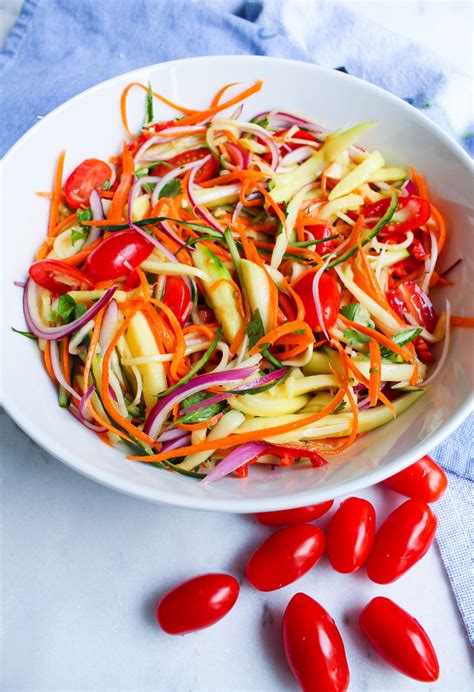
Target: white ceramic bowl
89, 125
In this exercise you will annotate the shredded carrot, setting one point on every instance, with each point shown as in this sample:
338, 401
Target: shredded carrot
458, 321
420, 183
355, 420
123, 104
44, 248
47, 361
275, 334
271, 203
235, 288
204, 115
180, 340
143, 283
200, 426
414, 376
222, 91
56, 196
203, 329
300, 309
441, 227
241, 438
62, 225
378, 336
375, 372
79, 257
164, 337
92, 348
121, 194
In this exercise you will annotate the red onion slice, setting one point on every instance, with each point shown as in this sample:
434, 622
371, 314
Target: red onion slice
84, 401
86, 423
201, 211
58, 373
171, 175
41, 330
444, 352
109, 325
97, 212
168, 135
242, 455
178, 442
164, 406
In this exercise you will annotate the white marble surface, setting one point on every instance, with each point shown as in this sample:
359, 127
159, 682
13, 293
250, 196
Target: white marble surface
83, 566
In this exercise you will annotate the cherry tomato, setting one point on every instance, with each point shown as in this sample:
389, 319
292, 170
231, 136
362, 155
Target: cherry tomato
197, 603
299, 134
399, 639
118, 255
409, 296
148, 134
206, 314
206, 172
58, 277
320, 231
90, 175
402, 540
423, 480
329, 297
177, 297
289, 517
285, 556
423, 351
350, 535
313, 647
411, 213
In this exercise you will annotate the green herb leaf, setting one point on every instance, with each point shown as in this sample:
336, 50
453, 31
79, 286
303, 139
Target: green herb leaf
401, 338
84, 214
77, 235
171, 189
263, 122
356, 338
255, 329
341, 407
106, 185
28, 335
355, 312
149, 105
79, 310
271, 185
66, 308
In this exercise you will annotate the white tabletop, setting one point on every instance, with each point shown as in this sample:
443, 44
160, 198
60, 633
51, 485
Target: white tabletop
83, 566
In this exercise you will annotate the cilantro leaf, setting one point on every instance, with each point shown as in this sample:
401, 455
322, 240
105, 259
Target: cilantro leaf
79, 234
106, 185
149, 105
79, 310
401, 338
255, 329
355, 337
263, 122
84, 214
66, 308
355, 312
171, 189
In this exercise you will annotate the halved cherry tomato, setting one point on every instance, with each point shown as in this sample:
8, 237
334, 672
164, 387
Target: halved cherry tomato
409, 296
329, 297
319, 231
90, 175
299, 134
206, 172
58, 277
350, 535
423, 480
134, 146
289, 517
423, 351
402, 540
285, 556
412, 212
399, 639
313, 647
206, 315
197, 603
118, 255
177, 297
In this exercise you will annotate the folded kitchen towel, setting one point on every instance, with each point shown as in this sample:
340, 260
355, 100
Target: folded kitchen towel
58, 48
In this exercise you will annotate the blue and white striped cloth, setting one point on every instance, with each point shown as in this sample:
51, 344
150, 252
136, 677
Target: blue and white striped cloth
58, 48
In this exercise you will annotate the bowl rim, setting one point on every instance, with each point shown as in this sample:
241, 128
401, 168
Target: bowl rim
239, 505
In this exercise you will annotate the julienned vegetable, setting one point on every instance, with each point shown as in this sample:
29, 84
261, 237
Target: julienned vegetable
230, 293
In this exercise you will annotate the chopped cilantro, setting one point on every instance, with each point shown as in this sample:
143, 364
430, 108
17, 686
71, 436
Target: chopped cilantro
355, 337
401, 338
106, 185
77, 235
66, 307
84, 214
355, 312
171, 189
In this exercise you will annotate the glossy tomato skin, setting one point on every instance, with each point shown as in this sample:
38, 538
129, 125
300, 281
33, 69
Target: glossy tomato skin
402, 540
206, 172
423, 480
328, 295
350, 535
313, 647
177, 297
320, 231
285, 556
58, 277
290, 517
90, 175
399, 639
411, 213
117, 256
410, 297
197, 603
